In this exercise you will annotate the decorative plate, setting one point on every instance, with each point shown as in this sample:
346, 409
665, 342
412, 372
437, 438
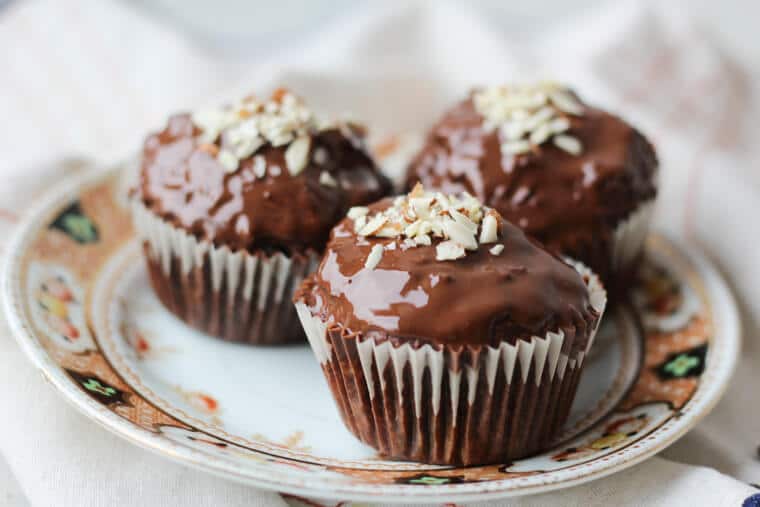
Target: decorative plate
79, 303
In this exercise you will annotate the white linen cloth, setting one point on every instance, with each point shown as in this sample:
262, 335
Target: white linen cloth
89, 78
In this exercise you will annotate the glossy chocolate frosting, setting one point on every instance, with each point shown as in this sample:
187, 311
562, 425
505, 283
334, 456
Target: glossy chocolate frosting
480, 299
571, 203
186, 185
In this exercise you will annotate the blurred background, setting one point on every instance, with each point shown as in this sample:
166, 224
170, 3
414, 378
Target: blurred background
247, 29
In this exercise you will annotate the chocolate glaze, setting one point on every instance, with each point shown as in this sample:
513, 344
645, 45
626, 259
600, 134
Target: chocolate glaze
481, 299
187, 186
569, 203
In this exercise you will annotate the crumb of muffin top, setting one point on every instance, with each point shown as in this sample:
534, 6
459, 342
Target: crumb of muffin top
258, 174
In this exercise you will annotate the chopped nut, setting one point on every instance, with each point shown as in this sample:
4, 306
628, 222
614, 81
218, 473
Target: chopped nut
373, 225
359, 223
489, 229
540, 135
279, 94
326, 179
464, 221
259, 166
460, 234
228, 160
297, 155
248, 125
373, 259
569, 144
448, 251
209, 148
387, 231
423, 239
357, 211
247, 147
455, 219
320, 156
516, 147
496, 249
566, 103
559, 125
528, 116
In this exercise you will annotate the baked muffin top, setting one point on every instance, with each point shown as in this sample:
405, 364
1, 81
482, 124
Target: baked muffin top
259, 175
440, 269
561, 170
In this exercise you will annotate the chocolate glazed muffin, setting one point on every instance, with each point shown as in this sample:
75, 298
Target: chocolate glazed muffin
235, 206
445, 334
578, 179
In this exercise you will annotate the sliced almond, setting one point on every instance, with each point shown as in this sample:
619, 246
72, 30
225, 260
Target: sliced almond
516, 147
373, 225
374, 257
320, 156
449, 251
460, 234
326, 179
423, 239
489, 229
464, 221
569, 144
496, 249
228, 160
357, 211
247, 147
359, 223
259, 166
566, 102
297, 155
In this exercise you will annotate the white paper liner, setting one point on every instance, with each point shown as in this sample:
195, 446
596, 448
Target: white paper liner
539, 352
259, 281
422, 374
629, 236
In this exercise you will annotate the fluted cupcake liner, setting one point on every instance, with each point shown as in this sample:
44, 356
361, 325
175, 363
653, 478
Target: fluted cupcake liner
460, 405
237, 296
629, 236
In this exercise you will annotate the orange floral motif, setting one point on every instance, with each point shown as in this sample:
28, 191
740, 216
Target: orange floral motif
140, 342
202, 402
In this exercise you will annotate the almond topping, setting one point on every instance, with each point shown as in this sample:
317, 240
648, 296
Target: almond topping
326, 179
488, 230
297, 155
373, 259
449, 251
357, 211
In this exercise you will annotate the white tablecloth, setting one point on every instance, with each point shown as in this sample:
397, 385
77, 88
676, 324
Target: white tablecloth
90, 77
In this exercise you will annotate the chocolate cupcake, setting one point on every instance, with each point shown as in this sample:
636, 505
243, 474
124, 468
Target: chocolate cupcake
445, 334
578, 179
235, 206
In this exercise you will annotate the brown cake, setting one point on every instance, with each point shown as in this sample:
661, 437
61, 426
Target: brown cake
578, 179
235, 206
446, 335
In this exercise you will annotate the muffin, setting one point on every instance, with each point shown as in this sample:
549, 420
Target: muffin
446, 335
234, 206
580, 180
